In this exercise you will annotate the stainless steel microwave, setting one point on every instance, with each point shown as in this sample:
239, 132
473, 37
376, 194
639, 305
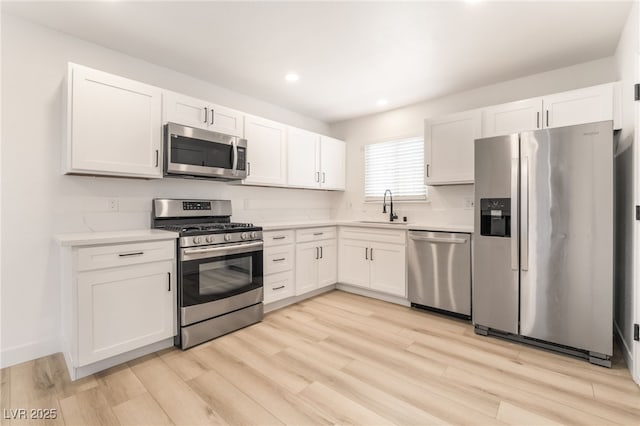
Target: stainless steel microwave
192, 152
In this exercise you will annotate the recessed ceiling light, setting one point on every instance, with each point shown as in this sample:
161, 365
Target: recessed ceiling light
382, 102
291, 77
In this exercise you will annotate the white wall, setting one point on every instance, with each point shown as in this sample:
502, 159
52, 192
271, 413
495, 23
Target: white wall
447, 204
627, 164
38, 202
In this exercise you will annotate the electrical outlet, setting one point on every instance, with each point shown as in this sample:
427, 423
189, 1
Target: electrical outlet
468, 203
113, 204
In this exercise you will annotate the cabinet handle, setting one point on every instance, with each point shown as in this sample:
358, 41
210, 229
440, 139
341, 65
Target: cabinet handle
427, 169
206, 115
547, 118
277, 288
317, 253
318, 233
371, 254
537, 119
212, 116
157, 155
317, 176
169, 273
248, 168
280, 259
279, 238
366, 253
137, 253
323, 177
320, 252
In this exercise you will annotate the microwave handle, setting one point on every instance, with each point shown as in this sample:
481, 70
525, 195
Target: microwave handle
234, 156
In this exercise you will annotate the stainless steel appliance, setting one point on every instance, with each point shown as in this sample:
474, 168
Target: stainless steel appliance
220, 272
543, 249
198, 153
440, 271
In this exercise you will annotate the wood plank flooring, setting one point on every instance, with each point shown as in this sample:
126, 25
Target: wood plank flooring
338, 358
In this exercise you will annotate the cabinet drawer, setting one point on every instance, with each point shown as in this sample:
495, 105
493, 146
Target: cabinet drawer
278, 259
109, 256
277, 238
315, 234
373, 234
278, 286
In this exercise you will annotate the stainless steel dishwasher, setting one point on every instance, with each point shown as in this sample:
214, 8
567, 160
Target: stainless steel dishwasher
440, 271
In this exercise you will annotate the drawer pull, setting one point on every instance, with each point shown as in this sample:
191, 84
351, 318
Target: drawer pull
279, 238
318, 233
137, 253
280, 259
277, 288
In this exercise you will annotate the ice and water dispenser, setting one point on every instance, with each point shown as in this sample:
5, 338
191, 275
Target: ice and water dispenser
495, 217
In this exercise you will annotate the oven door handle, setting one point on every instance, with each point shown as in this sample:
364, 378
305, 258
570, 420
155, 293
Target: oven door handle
201, 253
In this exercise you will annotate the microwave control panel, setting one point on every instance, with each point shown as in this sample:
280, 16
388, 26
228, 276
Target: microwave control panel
242, 159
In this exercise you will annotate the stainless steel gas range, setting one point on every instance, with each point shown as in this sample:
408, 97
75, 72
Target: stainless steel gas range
219, 268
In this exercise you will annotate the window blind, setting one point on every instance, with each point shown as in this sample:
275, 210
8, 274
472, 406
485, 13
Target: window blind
395, 165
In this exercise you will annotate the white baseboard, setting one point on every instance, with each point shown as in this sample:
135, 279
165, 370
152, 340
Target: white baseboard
627, 354
28, 352
373, 294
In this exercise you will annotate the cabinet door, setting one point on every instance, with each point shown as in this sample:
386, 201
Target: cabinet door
185, 110
266, 151
114, 125
332, 162
303, 159
122, 309
448, 148
328, 263
307, 256
513, 117
388, 268
353, 263
579, 106
226, 120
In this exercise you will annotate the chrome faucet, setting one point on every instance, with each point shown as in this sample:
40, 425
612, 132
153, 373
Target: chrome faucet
392, 215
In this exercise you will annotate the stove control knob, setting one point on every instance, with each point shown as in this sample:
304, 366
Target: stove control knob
197, 240
211, 238
244, 236
227, 237
254, 235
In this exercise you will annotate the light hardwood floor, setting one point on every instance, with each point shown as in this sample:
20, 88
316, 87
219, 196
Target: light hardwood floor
336, 359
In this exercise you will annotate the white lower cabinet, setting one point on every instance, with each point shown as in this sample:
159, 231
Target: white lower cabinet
316, 259
117, 299
278, 262
121, 309
373, 259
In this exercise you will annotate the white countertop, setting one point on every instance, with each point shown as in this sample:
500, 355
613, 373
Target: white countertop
372, 224
113, 237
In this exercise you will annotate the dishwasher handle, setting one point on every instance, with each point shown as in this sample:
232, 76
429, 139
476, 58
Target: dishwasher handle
439, 240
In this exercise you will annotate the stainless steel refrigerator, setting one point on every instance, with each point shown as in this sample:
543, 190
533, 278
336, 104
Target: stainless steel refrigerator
543, 243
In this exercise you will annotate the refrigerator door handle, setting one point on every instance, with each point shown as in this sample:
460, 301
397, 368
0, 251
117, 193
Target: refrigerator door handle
524, 215
514, 214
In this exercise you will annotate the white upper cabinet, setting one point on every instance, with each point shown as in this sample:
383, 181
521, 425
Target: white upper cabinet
201, 114
332, 163
114, 125
448, 147
579, 106
513, 117
266, 151
315, 161
303, 159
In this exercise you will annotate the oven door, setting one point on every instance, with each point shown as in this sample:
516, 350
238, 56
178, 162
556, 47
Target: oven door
196, 152
218, 280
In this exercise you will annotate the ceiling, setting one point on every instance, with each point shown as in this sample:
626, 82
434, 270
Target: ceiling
348, 54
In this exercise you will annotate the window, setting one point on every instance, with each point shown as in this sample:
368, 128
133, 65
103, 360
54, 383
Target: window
395, 165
